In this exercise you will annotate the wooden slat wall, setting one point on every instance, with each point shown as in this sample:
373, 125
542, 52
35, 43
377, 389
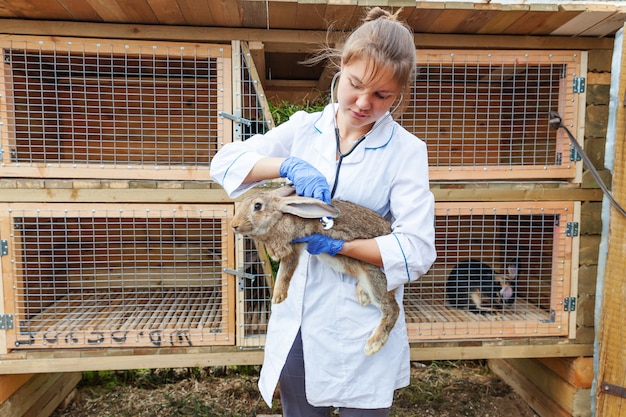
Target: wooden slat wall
612, 334
425, 17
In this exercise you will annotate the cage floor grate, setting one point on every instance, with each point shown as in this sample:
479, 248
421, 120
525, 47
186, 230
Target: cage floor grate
128, 316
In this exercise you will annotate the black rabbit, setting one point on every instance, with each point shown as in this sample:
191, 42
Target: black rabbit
474, 286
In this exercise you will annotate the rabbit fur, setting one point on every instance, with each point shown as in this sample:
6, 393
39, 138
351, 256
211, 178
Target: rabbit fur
472, 285
275, 218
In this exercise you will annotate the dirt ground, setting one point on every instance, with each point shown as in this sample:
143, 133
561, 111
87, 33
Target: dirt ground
443, 389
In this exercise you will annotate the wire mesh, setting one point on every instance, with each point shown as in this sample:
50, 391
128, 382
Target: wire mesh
486, 113
253, 105
255, 288
521, 247
140, 276
83, 104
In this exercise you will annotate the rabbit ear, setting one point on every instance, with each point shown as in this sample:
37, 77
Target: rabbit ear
285, 191
308, 208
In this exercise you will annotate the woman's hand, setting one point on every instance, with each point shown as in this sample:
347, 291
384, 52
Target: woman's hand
307, 180
317, 243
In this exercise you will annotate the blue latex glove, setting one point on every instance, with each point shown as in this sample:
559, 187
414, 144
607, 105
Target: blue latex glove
307, 180
317, 243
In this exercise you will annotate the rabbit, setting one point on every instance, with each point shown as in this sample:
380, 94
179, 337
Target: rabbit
275, 218
474, 286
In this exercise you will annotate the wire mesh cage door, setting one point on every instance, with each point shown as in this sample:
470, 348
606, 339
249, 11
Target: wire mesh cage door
502, 270
251, 110
485, 114
79, 276
254, 293
116, 109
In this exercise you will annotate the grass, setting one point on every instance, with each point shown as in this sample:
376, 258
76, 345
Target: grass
282, 111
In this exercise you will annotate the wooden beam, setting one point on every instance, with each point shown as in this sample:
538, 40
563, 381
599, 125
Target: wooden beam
313, 37
217, 195
115, 359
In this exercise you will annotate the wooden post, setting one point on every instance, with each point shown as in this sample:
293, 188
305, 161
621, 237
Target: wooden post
612, 337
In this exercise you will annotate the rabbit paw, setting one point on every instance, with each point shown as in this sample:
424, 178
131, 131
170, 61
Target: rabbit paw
280, 294
376, 341
362, 295
374, 344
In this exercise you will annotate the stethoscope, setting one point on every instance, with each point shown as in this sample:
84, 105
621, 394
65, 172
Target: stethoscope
342, 155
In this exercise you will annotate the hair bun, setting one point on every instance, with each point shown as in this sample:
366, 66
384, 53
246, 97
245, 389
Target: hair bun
380, 13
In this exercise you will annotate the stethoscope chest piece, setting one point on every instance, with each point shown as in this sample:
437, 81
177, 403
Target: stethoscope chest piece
327, 222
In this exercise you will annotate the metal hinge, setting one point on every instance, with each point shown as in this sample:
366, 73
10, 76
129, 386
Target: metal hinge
579, 84
6, 321
241, 275
571, 229
4, 247
574, 155
613, 390
569, 304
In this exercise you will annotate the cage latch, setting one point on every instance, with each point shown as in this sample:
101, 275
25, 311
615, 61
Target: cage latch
236, 119
6, 321
571, 229
569, 304
241, 275
4, 247
613, 390
579, 84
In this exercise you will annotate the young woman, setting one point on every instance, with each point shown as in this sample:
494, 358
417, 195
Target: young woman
353, 150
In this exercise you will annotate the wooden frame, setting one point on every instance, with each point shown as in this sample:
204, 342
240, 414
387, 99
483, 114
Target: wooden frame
495, 233
484, 114
97, 136
135, 275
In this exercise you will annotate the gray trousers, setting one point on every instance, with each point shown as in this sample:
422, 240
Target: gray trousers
293, 396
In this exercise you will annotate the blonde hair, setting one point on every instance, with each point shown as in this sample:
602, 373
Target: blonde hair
382, 41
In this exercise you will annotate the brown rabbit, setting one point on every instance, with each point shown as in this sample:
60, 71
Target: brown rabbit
275, 218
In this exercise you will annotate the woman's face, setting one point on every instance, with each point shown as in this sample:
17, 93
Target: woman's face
363, 99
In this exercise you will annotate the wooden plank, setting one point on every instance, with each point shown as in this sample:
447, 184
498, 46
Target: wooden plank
217, 195
449, 21
310, 16
139, 11
547, 382
22, 400
110, 11
9, 384
577, 372
533, 395
582, 22
611, 315
282, 14
502, 21
607, 26
530, 22
167, 12
81, 10
52, 10
120, 359
46, 405
197, 12
41, 28
554, 21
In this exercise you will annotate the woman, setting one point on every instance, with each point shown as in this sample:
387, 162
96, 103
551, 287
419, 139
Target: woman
354, 151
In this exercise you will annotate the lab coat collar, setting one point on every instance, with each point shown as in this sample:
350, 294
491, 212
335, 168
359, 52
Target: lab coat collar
377, 138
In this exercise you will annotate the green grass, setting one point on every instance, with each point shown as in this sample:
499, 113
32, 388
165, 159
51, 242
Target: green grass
281, 112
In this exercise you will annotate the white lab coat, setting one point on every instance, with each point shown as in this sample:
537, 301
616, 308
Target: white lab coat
388, 173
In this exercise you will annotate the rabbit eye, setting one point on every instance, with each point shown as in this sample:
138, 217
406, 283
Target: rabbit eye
258, 206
